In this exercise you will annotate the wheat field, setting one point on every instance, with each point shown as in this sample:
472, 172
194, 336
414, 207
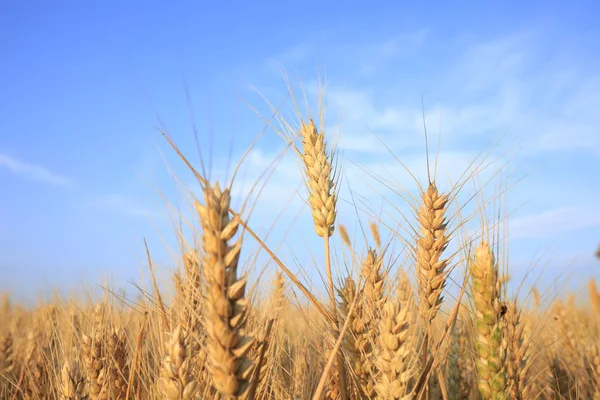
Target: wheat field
387, 325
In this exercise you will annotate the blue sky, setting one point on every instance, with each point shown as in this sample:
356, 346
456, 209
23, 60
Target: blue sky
84, 84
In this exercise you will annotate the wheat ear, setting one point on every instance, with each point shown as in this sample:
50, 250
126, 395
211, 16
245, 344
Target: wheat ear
119, 368
72, 382
225, 316
322, 199
39, 379
431, 243
394, 355
93, 348
485, 291
369, 310
176, 380
319, 171
7, 359
518, 356
432, 240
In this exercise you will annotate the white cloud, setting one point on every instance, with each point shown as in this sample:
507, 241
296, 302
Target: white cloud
503, 85
32, 171
122, 204
554, 222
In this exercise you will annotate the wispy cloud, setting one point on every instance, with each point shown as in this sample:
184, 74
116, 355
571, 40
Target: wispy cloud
32, 171
295, 54
121, 204
510, 84
375, 55
554, 222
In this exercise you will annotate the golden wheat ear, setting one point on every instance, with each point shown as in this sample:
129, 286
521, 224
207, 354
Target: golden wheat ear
225, 319
7, 354
518, 358
72, 383
176, 380
490, 348
433, 239
320, 183
395, 353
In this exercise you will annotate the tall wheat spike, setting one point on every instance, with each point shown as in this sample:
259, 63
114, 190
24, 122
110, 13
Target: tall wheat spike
320, 183
432, 240
319, 171
431, 243
491, 354
226, 307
